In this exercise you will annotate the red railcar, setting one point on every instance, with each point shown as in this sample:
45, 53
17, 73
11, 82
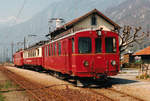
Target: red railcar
18, 58
84, 54
33, 57
88, 53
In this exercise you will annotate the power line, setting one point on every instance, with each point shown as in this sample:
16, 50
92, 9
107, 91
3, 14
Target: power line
21, 9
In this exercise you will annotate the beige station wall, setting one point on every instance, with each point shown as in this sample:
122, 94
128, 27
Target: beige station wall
86, 23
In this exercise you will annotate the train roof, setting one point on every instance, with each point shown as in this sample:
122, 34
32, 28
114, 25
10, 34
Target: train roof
60, 37
38, 44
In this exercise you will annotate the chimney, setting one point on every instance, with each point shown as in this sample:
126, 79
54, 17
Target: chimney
58, 22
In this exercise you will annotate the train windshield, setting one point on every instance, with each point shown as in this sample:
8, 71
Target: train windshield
110, 45
84, 45
98, 45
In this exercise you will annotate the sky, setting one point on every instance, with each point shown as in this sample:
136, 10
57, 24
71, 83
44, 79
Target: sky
9, 9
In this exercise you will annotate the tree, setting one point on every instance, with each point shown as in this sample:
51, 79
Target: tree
130, 35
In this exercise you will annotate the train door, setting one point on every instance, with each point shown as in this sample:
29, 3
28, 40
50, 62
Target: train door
65, 56
43, 55
99, 63
112, 54
70, 51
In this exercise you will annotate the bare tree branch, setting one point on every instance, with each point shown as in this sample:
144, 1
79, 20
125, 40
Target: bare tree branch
129, 35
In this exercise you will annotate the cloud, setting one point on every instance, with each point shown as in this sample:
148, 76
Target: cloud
11, 20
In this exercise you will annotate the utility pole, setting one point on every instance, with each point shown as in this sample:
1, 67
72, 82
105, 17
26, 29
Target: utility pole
12, 50
0, 57
24, 42
7, 59
4, 54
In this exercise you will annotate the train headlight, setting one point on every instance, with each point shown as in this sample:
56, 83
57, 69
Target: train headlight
86, 63
113, 62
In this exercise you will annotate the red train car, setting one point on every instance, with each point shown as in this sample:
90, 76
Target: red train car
18, 58
32, 57
84, 54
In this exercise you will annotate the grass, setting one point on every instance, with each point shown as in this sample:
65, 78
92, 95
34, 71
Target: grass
2, 98
7, 85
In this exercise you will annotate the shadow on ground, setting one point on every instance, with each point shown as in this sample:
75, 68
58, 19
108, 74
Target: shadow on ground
110, 83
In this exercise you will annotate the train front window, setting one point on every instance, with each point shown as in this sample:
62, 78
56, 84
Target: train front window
98, 45
84, 45
110, 45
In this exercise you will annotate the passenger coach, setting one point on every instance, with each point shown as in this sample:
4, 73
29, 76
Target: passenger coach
84, 54
87, 53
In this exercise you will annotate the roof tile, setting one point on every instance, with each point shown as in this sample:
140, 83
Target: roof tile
145, 51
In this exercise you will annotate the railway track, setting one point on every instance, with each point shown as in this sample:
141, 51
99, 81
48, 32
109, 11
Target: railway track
111, 92
38, 92
47, 93
106, 93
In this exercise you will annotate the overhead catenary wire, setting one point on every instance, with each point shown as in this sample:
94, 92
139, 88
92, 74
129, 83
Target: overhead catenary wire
17, 17
20, 11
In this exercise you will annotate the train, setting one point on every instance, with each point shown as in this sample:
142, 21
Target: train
82, 54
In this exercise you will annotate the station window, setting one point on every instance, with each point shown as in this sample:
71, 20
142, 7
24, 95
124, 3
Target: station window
59, 48
73, 49
93, 20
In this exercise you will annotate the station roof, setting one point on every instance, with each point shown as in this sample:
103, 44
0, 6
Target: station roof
90, 13
145, 51
75, 21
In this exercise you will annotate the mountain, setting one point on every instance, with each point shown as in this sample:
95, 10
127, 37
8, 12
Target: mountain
132, 12
67, 10
38, 24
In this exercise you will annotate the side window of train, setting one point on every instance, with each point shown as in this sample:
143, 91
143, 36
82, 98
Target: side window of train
49, 50
31, 53
110, 44
98, 45
52, 48
85, 45
45, 50
55, 48
73, 47
59, 48
38, 52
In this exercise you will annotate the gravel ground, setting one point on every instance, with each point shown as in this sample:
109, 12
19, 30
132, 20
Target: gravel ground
14, 95
41, 78
128, 83
70, 92
124, 82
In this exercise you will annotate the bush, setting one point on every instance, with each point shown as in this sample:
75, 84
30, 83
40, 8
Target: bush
130, 65
143, 76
